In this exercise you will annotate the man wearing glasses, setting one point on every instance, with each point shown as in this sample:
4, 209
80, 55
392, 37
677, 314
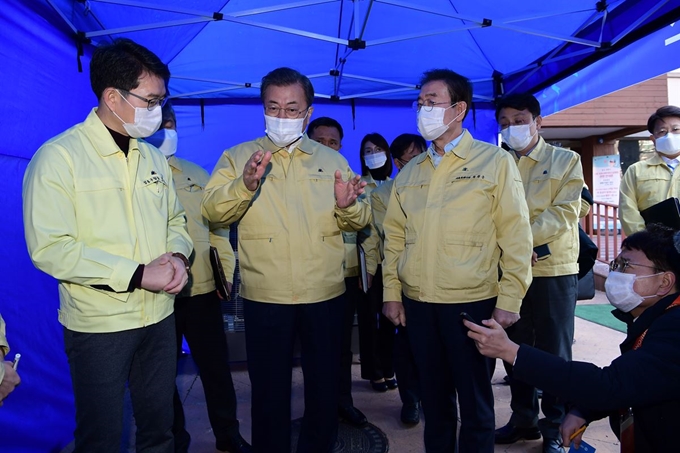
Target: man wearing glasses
101, 216
293, 198
457, 239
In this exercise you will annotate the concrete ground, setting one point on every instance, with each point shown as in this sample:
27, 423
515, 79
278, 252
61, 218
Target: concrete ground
593, 343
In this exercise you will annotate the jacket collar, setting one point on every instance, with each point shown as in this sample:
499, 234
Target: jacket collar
305, 144
175, 162
644, 321
461, 150
103, 141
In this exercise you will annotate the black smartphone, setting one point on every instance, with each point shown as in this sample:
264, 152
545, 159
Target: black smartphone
542, 251
464, 315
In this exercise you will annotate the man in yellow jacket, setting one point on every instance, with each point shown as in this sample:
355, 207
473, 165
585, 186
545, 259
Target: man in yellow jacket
651, 181
101, 215
456, 216
553, 181
198, 308
9, 378
292, 198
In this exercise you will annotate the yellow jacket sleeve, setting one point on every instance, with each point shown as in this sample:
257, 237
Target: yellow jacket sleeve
226, 197
219, 238
51, 228
395, 240
4, 346
629, 211
510, 215
564, 209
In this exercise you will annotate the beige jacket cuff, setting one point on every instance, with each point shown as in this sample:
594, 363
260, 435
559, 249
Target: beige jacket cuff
508, 303
392, 294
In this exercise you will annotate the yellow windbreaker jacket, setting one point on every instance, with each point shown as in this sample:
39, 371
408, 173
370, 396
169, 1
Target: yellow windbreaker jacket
449, 229
92, 215
553, 180
290, 243
190, 180
645, 184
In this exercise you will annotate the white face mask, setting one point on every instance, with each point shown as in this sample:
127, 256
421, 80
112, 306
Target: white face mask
146, 121
431, 123
518, 137
669, 144
620, 292
283, 131
376, 160
165, 140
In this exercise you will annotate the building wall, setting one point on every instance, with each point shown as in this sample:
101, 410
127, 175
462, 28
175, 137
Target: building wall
629, 107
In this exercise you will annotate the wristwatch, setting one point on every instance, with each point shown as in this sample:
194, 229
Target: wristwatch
184, 259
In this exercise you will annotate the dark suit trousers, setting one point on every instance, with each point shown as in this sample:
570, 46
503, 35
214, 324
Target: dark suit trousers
405, 368
101, 364
546, 322
449, 365
199, 320
376, 334
353, 296
271, 330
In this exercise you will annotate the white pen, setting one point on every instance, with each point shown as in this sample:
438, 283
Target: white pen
17, 357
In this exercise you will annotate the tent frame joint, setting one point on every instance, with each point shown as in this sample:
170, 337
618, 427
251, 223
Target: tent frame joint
356, 44
486, 23
218, 16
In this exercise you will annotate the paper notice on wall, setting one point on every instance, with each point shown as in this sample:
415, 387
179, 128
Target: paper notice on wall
606, 178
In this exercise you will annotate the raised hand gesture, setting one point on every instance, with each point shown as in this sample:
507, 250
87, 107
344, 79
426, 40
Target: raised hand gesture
255, 168
346, 192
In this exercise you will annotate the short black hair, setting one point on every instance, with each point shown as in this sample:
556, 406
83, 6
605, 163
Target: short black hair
658, 243
169, 113
519, 101
121, 63
324, 121
460, 88
282, 77
664, 112
378, 140
404, 141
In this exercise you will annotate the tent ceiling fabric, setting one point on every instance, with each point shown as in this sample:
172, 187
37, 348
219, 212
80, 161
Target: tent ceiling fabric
365, 48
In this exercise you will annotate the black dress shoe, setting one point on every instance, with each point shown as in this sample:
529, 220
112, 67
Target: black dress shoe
235, 444
509, 434
352, 416
552, 446
391, 383
379, 386
410, 414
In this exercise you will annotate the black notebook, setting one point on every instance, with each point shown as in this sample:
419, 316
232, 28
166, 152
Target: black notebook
218, 274
666, 213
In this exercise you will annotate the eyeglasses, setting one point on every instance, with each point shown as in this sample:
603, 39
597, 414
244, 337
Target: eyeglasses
428, 105
622, 265
290, 112
150, 103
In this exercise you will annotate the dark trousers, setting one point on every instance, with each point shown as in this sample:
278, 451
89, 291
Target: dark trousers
199, 320
271, 330
101, 364
546, 322
376, 334
405, 368
449, 365
353, 295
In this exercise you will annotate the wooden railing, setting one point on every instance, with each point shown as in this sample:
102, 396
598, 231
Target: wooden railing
604, 227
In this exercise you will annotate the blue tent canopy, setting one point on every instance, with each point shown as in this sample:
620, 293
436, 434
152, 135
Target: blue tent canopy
364, 57
368, 49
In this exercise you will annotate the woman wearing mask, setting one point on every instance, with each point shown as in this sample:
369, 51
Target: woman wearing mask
639, 389
376, 333
653, 180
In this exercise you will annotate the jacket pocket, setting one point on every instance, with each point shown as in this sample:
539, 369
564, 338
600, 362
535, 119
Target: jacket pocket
408, 268
462, 263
